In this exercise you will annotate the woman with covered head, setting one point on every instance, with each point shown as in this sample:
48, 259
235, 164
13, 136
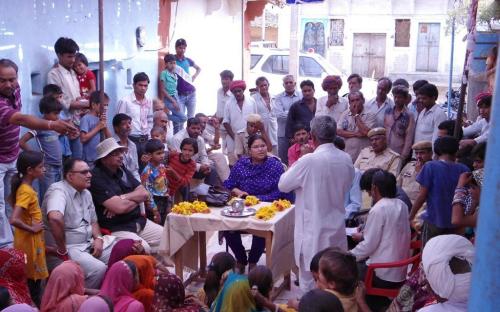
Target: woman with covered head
447, 261
146, 268
170, 295
65, 289
119, 284
13, 275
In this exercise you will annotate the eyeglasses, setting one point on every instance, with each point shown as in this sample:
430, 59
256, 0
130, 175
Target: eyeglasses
82, 172
117, 152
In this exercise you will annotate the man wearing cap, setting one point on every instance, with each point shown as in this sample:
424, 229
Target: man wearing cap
354, 125
381, 103
479, 130
407, 178
332, 104
281, 106
254, 126
118, 195
378, 155
235, 114
73, 229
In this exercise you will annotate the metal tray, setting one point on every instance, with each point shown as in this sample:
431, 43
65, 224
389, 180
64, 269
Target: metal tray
247, 212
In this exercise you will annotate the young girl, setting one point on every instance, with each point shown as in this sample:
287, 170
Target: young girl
182, 166
27, 220
86, 77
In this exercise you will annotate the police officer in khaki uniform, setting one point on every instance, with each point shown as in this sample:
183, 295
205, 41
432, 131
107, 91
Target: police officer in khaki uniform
378, 155
407, 178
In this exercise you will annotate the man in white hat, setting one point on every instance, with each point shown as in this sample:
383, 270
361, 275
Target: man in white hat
73, 229
254, 126
118, 195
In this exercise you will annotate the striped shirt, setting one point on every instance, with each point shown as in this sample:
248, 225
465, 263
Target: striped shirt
184, 170
9, 133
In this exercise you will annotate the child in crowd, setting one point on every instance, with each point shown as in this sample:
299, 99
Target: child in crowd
158, 133
154, 178
222, 263
438, 180
52, 90
303, 144
48, 144
168, 81
318, 300
183, 166
158, 105
27, 220
86, 77
260, 279
91, 126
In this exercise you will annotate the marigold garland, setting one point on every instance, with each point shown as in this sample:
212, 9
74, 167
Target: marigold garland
187, 208
251, 200
269, 211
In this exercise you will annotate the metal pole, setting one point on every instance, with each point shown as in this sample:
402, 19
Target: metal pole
485, 274
293, 61
101, 50
450, 79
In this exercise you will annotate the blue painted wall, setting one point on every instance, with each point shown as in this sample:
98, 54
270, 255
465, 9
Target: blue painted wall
29, 29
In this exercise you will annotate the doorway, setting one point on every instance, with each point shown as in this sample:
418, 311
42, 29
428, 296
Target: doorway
428, 47
368, 55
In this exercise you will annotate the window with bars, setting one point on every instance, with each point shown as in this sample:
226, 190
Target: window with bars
402, 33
337, 32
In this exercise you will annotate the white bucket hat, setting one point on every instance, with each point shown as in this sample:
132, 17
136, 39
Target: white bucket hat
107, 146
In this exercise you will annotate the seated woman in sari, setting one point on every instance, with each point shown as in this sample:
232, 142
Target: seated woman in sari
65, 289
119, 284
235, 295
146, 267
256, 175
97, 304
13, 276
124, 248
171, 297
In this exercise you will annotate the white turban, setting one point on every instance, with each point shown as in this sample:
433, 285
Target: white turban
435, 259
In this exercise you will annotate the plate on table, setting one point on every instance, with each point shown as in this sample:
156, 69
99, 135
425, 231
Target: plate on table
247, 212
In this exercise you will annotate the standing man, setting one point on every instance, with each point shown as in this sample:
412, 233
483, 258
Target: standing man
140, 109
224, 96
428, 120
10, 121
379, 105
331, 104
185, 87
122, 125
355, 83
264, 104
354, 125
235, 116
302, 111
320, 180
63, 75
399, 123
281, 106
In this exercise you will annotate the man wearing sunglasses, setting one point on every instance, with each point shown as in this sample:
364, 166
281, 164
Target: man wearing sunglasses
74, 232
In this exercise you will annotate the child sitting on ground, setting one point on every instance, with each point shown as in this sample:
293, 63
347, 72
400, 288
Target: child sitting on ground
86, 77
91, 126
154, 178
261, 282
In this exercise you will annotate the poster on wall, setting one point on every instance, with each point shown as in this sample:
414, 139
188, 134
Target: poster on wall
314, 32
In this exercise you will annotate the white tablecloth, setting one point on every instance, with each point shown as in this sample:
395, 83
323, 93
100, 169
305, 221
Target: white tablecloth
179, 229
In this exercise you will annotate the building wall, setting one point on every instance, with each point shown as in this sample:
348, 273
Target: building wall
378, 16
29, 41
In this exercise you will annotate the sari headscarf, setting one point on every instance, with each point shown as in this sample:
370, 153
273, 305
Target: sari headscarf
65, 289
170, 295
118, 286
22, 307
121, 249
95, 304
13, 275
146, 267
235, 295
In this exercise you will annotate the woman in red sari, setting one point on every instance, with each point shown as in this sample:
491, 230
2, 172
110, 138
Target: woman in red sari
13, 275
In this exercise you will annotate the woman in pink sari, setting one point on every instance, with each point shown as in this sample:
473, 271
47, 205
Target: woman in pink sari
65, 289
119, 284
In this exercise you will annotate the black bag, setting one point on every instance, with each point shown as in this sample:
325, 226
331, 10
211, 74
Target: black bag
217, 197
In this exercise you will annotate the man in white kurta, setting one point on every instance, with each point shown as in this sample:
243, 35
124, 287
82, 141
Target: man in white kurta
320, 181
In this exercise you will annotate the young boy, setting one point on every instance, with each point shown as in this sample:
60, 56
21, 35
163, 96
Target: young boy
55, 91
48, 143
154, 178
185, 87
168, 81
86, 77
438, 180
91, 126
303, 144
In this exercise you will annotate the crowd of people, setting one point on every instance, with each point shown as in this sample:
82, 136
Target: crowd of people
82, 208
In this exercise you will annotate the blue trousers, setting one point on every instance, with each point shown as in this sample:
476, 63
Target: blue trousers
177, 117
189, 102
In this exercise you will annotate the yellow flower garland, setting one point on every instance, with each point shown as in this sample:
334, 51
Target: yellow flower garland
267, 212
187, 208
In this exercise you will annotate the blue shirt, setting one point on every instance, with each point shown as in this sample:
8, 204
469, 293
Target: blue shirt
260, 180
87, 123
48, 142
440, 178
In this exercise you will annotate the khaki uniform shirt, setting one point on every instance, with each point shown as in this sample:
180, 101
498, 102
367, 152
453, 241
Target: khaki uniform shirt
353, 146
407, 181
387, 160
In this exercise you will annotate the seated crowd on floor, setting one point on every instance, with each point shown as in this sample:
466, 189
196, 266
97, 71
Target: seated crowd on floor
84, 195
